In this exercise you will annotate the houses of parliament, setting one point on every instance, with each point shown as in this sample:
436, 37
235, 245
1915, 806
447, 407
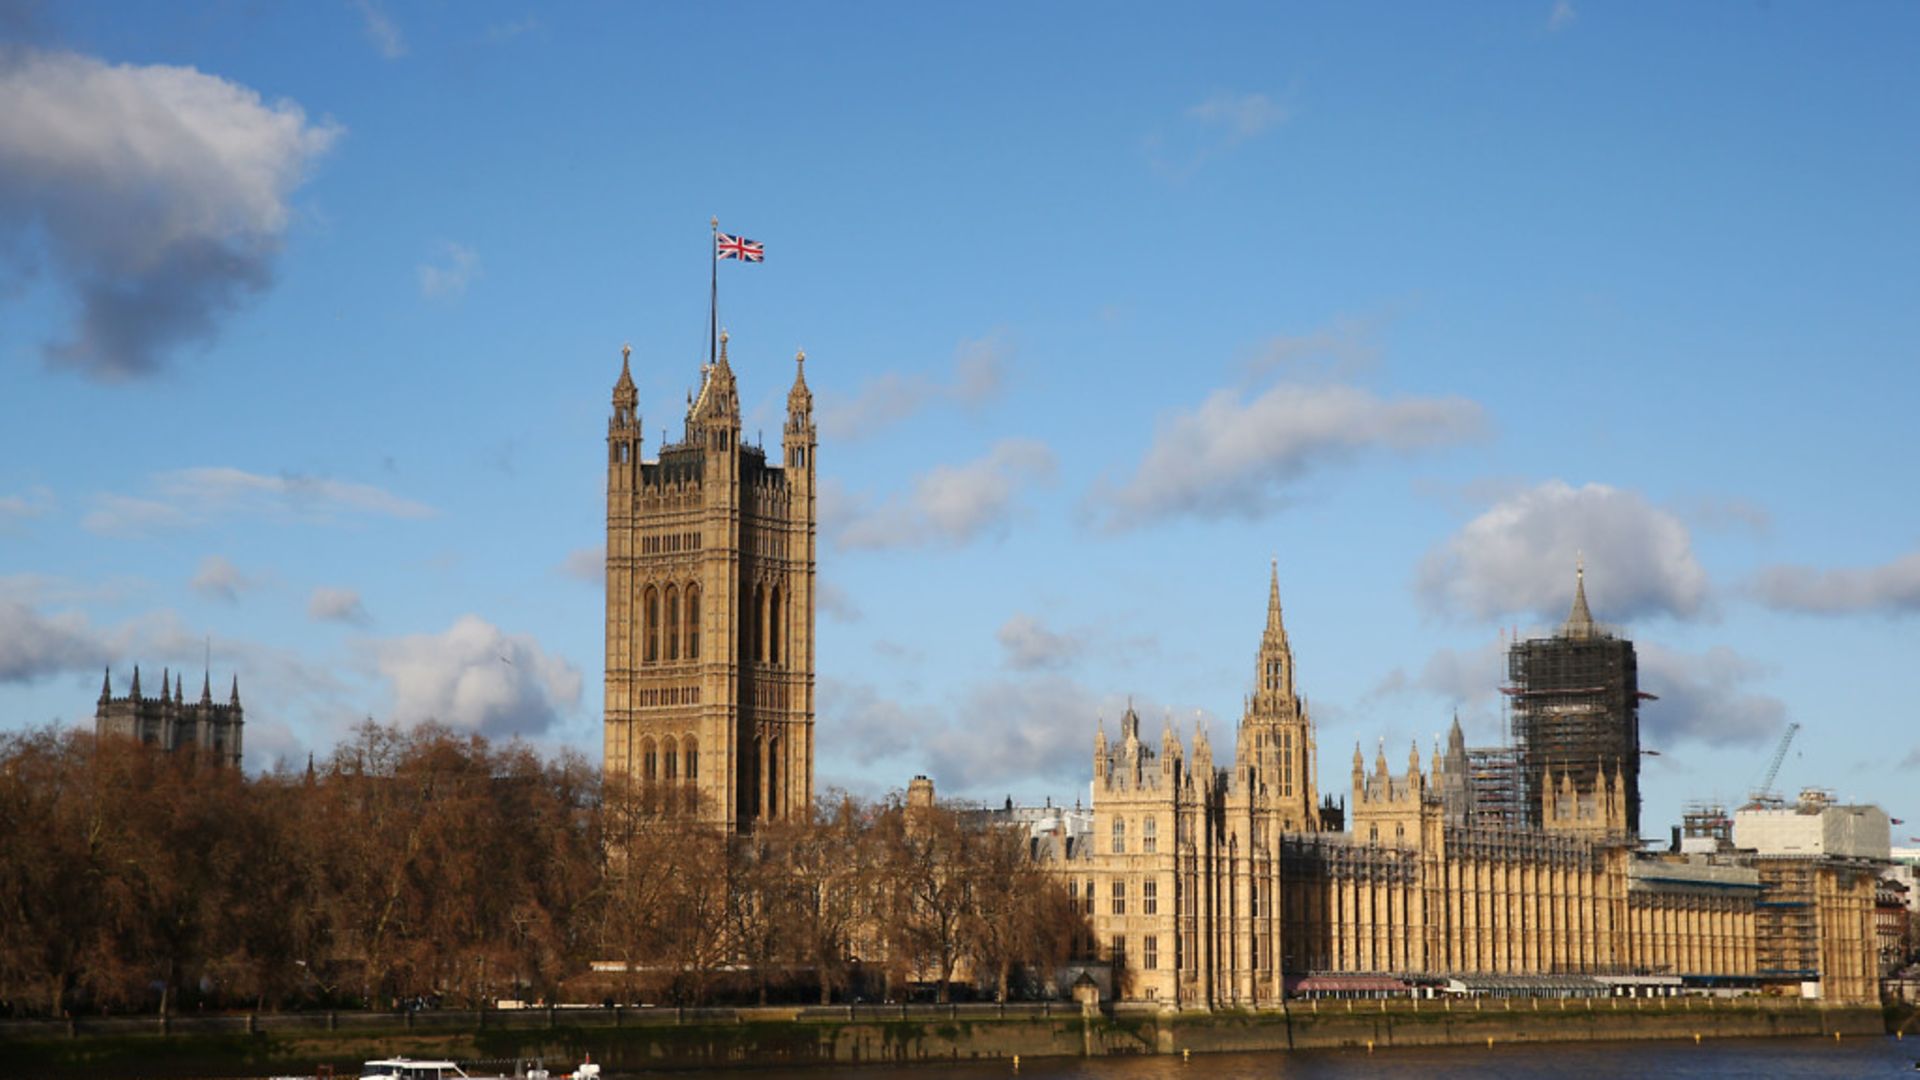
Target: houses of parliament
1214, 883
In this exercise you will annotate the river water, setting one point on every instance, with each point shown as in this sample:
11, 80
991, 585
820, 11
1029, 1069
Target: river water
1784, 1059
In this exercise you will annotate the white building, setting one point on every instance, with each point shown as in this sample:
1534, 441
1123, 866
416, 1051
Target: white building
1815, 826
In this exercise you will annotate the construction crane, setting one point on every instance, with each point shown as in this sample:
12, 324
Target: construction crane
1762, 795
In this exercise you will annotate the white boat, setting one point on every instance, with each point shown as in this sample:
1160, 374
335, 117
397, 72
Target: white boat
401, 1068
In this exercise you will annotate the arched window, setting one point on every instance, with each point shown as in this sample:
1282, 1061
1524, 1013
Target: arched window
1119, 836
668, 752
756, 625
673, 623
1149, 838
649, 761
690, 757
773, 626
652, 604
693, 622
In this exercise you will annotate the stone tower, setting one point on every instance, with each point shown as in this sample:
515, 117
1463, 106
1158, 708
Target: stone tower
1276, 752
710, 603
170, 721
1576, 709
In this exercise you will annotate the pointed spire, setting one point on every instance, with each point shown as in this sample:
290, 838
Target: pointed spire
1380, 758
206, 688
1413, 759
106, 685
1274, 621
180, 689
236, 691
1580, 620
1456, 739
166, 688
135, 692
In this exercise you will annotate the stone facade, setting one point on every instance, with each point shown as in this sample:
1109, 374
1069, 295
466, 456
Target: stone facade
710, 606
171, 722
1232, 886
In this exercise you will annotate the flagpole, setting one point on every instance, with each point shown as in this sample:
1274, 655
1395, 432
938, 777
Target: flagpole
713, 292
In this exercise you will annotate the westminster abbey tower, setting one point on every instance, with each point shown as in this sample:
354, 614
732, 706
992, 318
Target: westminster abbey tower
710, 588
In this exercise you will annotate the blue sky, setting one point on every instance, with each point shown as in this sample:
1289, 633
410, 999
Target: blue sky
309, 315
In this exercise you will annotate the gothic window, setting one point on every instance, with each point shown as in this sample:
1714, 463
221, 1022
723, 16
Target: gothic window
1119, 897
671, 759
1150, 897
756, 633
1149, 836
1287, 763
652, 605
649, 761
1086, 907
673, 623
1119, 949
773, 626
1253, 899
693, 622
1373, 834
1119, 836
1399, 832
690, 757
1149, 952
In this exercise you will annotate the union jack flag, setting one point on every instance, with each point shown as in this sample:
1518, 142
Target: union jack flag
739, 247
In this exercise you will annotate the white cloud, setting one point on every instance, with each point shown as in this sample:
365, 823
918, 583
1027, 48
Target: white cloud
449, 277
158, 194
1518, 557
1029, 645
588, 564
329, 604
977, 378
1240, 116
219, 579
192, 496
1892, 588
476, 677
835, 602
34, 645
1562, 16
949, 504
32, 504
1235, 456
1342, 349
1705, 698
1210, 129
382, 31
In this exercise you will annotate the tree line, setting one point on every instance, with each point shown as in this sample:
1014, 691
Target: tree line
421, 865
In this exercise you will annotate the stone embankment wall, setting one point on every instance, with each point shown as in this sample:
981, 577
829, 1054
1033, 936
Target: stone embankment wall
629, 1039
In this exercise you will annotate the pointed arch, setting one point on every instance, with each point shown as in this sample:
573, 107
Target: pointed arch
649, 760
693, 620
651, 603
756, 625
669, 760
773, 626
690, 758
673, 623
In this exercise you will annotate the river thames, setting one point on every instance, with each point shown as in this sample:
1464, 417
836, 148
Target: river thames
1784, 1059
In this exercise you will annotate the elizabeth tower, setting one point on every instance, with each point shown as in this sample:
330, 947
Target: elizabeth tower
710, 579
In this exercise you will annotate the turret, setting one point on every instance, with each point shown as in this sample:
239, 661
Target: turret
135, 692
1413, 762
106, 686
799, 436
206, 688
623, 430
1100, 751
1359, 766
235, 700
